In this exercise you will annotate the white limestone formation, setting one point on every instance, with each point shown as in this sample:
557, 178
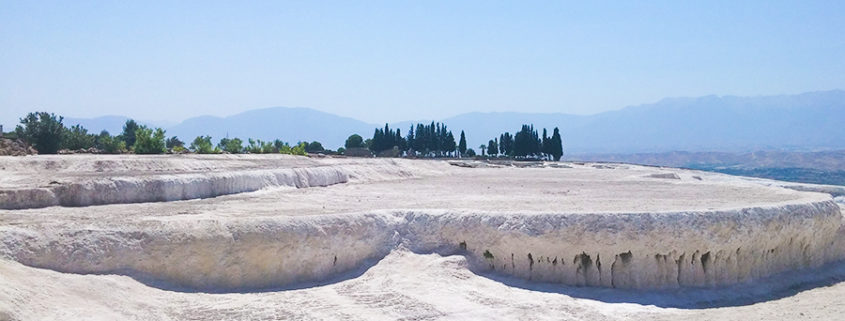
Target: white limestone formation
653, 228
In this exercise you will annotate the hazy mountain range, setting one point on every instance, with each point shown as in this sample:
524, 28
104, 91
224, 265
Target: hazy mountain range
803, 122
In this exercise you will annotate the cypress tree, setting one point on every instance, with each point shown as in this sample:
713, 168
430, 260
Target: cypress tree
410, 141
546, 147
462, 145
557, 145
492, 148
449, 144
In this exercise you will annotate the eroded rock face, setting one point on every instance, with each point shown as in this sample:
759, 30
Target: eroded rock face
637, 250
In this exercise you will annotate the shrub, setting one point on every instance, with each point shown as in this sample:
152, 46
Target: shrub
202, 145
299, 149
77, 137
267, 147
109, 144
285, 149
254, 146
128, 134
231, 146
149, 141
174, 142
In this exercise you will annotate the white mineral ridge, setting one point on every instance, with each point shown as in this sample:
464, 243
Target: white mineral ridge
279, 237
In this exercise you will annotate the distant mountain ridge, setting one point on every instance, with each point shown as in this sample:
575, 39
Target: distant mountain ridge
803, 122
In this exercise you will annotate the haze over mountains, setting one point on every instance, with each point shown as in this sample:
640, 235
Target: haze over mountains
803, 122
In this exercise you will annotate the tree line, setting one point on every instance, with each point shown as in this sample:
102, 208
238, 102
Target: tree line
431, 140
47, 133
436, 140
526, 143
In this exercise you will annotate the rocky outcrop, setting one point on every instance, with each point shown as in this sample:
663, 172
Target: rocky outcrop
17, 147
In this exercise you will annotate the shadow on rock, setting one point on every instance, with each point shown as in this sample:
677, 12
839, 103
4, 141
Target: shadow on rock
767, 289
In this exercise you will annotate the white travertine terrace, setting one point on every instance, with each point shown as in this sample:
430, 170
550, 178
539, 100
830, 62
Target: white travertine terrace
617, 226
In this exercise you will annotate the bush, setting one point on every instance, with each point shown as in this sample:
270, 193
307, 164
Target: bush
42, 130
470, 152
285, 149
253, 146
149, 141
109, 144
77, 137
267, 147
257, 146
174, 142
202, 145
299, 149
231, 146
128, 134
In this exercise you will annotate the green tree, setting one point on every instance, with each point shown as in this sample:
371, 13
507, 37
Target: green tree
202, 145
277, 145
354, 141
110, 144
449, 145
492, 147
470, 152
231, 146
482, 148
77, 137
527, 142
462, 145
285, 149
267, 147
42, 130
253, 146
299, 149
128, 134
314, 147
149, 141
506, 144
173, 142
556, 148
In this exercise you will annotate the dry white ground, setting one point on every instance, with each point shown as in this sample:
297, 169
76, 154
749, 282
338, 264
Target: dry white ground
105, 262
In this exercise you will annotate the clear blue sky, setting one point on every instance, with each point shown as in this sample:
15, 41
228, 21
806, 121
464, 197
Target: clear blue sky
400, 60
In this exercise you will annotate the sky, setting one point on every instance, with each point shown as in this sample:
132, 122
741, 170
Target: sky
382, 61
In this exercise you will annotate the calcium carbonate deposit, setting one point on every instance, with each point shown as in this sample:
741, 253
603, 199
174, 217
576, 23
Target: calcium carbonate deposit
284, 237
